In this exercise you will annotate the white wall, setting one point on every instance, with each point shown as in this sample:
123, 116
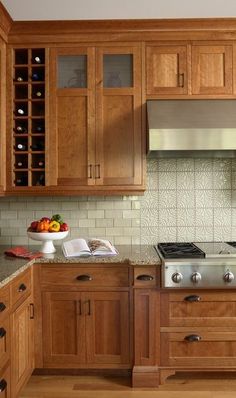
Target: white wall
118, 9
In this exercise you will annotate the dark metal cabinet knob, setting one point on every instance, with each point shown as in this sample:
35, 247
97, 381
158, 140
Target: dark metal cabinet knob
192, 298
2, 307
84, 278
3, 385
2, 333
22, 287
145, 277
192, 337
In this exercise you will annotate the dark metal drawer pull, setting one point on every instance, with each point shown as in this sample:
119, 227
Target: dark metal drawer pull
192, 299
2, 307
3, 385
2, 332
145, 277
192, 337
22, 288
84, 278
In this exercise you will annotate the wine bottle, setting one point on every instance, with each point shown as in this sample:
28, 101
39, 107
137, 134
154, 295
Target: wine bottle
21, 147
20, 164
40, 164
19, 79
39, 146
39, 128
20, 129
36, 76
41, 180
37, 60
21, 181
20, 111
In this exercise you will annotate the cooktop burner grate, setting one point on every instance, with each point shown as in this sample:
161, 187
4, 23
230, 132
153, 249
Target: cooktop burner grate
180, 250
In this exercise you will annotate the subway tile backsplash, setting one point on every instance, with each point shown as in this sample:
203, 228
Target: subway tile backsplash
185, 200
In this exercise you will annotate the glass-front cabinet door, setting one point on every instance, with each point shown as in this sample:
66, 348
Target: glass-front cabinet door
72, 109
118, 117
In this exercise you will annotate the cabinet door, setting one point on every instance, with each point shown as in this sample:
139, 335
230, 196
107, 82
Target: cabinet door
72, 113
22, 346
107, 328
119, 160
63, 330
212, 69
5, 384
166, 69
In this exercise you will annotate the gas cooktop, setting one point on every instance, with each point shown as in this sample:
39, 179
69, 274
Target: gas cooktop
175, 250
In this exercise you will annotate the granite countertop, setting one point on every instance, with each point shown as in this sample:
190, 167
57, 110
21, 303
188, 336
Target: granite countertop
139, 255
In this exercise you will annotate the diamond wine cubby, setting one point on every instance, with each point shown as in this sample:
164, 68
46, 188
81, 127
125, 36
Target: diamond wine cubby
29, 117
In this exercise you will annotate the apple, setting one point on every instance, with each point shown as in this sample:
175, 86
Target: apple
64, 227
34, 225
45, 219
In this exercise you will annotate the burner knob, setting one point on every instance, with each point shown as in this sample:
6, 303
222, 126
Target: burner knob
196, 277
228, 277
177, 277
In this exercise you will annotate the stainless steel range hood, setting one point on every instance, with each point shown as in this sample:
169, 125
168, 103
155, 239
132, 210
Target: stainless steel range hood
199, 128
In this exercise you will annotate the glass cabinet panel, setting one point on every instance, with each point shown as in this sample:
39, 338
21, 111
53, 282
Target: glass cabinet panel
117, 70
72, 71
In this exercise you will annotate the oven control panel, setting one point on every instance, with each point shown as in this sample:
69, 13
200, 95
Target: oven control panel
187, 275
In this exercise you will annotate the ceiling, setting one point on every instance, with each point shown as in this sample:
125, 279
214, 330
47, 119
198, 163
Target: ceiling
117, 9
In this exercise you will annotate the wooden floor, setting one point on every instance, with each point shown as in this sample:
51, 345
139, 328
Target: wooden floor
179, 386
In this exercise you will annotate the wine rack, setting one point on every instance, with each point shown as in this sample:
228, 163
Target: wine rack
29, 117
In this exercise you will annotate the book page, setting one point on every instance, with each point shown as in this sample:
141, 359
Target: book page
76, 247
101, 247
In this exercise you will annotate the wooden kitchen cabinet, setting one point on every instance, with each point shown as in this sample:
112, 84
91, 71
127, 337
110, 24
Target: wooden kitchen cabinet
86, 316
5, 383
194, 68
96, 139
22, 336
86, 329
166, 69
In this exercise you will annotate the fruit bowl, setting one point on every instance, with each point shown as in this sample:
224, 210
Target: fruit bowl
47, 239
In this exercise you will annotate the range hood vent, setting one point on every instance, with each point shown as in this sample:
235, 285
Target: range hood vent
198, 128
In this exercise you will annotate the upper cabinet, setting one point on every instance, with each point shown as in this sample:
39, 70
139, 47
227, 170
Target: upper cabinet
199, 68
166, 69
95, 119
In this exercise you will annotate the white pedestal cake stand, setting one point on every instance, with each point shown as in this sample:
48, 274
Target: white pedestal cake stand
47, 239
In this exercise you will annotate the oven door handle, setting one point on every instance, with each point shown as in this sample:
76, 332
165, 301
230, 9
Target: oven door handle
192, 298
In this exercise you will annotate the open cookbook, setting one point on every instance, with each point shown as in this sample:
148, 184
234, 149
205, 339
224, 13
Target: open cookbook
92, 247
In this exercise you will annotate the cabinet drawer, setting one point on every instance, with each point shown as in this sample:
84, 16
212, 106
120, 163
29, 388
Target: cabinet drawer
198, 308
21, 287
5, 384
212, 348
86, 276
4, 342
4, 301
145, 276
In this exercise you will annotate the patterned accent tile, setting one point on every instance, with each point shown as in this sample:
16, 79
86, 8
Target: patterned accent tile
167, 180
167, 198
203, 165
204, 198
185, 234
222, 180
233, 164
152, 165
203, 180
222, 164
152, 181
204, 217
234, 217
167, 217
233, 180
222, 217
222, 233
204, 234
167, 165
185, 164
185, 199
149, 235
185, 180
149, 199
185, 217
149, 217
222, 198
233, 198
167, 234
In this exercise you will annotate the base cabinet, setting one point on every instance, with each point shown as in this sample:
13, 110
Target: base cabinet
22, 346
5, 384
86, 329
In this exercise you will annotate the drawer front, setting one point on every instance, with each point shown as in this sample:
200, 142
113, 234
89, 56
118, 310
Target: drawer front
4, 301
145, 276
198, 348
86, 276
21, 287
5, 384
198, 308
4, 342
